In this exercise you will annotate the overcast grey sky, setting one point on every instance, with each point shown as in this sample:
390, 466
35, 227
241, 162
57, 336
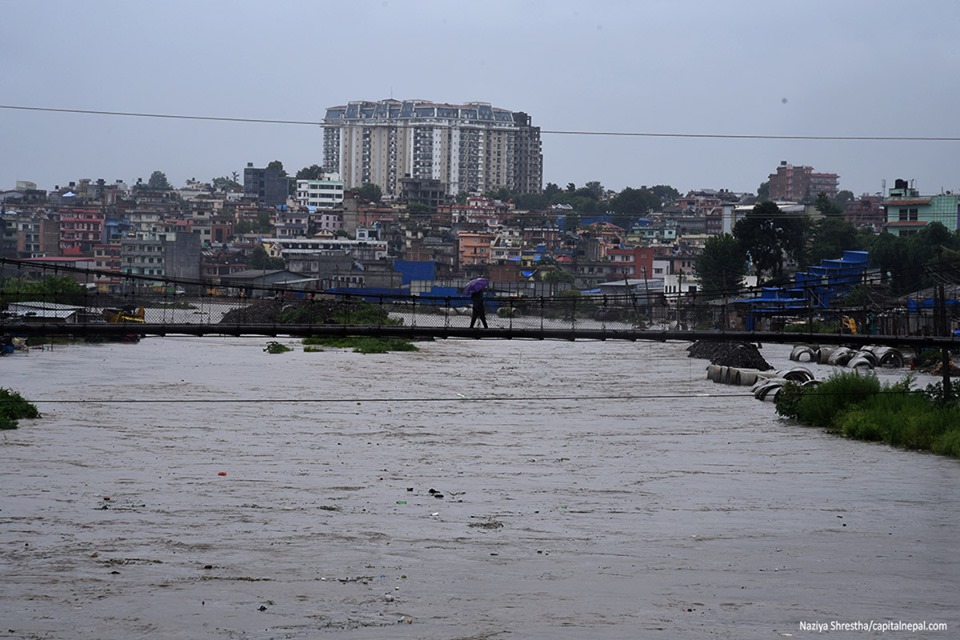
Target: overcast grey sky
816, 67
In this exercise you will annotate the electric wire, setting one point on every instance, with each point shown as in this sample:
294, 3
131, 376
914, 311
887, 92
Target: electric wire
458, 398
565, 132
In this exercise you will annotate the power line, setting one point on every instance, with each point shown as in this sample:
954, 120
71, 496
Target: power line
564, 132
750, 136
169, 116
361, 401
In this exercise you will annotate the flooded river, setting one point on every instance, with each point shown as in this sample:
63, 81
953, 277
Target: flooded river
188, 488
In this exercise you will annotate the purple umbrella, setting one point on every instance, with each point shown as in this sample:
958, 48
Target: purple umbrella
477, 284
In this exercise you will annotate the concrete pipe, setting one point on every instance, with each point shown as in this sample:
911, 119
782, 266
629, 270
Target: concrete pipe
731, 375
803, 353
891, 358
769, 386
860, 362
840, 357
797, 374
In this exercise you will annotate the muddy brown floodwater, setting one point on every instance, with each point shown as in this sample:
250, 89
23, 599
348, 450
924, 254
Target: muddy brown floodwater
201, 488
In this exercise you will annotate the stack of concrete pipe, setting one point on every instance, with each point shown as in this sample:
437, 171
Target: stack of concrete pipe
764, 384
868, 357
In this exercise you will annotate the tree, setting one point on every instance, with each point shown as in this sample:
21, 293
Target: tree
503, 194
885, 253
595, 188
551, 190
418, 208
62, 289
586, 193
763, 191
925, 251
370, 192
844, 198
313, 172
555, 277
260, 259
158, 181
531, 201
224, 183
826, 206
276, 164
721, 266
635, 202
768, 236
830, 237
261, 225
915, 262
665, 193
580, 203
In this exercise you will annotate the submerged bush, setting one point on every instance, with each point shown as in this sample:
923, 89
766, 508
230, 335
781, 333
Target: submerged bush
276, 347
13, 407
361, 344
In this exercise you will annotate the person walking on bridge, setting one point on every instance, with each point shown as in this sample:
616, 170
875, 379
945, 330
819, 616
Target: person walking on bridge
475, 289
479, 312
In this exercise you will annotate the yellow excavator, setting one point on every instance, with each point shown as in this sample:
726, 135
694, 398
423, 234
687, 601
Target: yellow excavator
124, 315
848, 325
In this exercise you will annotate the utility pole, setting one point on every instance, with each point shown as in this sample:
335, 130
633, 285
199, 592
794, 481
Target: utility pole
944, 351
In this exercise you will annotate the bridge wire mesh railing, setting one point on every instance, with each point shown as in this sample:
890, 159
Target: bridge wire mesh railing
41, 294
33, 293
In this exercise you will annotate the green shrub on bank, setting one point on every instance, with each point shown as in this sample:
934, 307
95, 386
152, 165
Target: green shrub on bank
14, 407
817, 406
860, 407
948, 444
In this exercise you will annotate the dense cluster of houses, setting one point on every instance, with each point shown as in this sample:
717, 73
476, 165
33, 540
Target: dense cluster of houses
201, 237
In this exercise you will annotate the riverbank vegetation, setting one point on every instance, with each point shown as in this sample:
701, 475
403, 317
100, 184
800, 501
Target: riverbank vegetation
13, 408
861, 407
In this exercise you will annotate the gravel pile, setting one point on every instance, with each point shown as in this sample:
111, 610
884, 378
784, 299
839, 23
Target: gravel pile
743, 355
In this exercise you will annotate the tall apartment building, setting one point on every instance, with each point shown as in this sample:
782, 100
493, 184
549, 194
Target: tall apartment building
472, 147
797, 184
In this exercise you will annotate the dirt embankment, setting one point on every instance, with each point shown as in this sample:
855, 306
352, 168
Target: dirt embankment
743, 355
